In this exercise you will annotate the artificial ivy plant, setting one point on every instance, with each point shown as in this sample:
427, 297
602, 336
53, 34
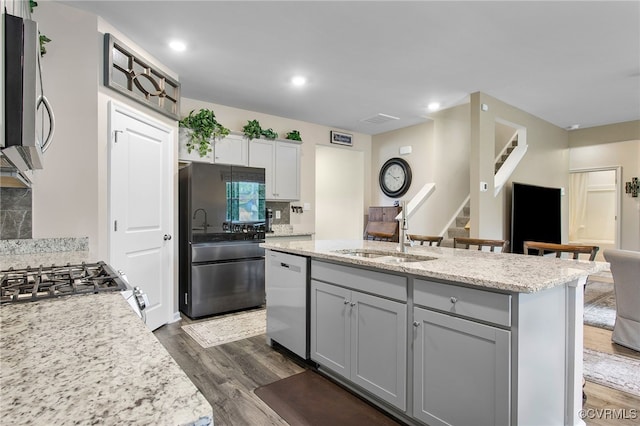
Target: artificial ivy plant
294, 135
204, 127
43, 38
252, 129
269, 134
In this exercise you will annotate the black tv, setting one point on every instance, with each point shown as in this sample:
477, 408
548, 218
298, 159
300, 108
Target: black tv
535, 215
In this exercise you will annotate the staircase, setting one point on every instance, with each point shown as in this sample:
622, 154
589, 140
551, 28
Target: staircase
460, 227
505, 155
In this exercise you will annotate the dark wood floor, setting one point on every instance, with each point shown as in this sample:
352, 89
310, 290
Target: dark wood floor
227, 375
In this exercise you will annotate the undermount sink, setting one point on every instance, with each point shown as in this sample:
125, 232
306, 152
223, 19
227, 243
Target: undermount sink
361, 253
385, 256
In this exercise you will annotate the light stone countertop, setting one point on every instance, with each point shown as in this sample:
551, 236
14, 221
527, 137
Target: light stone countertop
285, 231
88, 359
509, 272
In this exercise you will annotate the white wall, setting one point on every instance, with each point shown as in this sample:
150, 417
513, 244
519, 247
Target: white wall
339, 193
312, 135
627, 156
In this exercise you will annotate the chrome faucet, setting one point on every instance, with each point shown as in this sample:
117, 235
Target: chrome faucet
404, 239
204, 223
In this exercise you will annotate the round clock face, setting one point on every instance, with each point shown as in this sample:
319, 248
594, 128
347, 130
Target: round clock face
395, 177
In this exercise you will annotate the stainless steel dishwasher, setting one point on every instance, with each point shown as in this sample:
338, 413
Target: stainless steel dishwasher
286, 286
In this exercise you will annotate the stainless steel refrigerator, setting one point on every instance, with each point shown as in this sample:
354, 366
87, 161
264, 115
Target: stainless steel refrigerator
221, 224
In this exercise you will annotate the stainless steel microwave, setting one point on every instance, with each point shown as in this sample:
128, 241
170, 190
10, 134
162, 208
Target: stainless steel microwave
28, 120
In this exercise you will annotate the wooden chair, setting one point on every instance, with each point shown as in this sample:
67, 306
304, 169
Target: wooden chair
381, 231
481, 243
429, 239
541, 248
379, 236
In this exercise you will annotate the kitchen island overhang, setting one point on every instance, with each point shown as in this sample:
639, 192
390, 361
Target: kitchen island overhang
544, 314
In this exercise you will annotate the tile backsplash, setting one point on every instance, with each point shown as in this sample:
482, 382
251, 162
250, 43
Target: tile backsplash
16, 213
285, 212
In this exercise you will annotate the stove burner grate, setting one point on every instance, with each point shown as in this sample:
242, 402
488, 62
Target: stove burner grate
29, 284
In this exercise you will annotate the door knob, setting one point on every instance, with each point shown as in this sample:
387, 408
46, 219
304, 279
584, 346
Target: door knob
167, 237
416, 324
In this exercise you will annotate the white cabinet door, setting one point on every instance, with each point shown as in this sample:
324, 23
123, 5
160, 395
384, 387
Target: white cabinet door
262, 154
379, 347
281, 161
461, 371
233, 149
287, 172
194, 155
330, 327
361, 337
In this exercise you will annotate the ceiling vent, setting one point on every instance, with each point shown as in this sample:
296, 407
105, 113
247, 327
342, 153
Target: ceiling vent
380, 118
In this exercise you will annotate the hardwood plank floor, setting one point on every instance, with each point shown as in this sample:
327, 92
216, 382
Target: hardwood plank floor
227, 375
601, 398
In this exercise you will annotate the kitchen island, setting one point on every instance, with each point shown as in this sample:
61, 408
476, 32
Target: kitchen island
447, 336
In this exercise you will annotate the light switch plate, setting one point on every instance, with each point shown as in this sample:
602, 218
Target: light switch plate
278, 214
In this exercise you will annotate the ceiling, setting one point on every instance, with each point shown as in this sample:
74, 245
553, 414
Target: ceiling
566, 62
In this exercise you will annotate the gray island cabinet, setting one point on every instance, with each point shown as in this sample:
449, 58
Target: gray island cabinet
441, 336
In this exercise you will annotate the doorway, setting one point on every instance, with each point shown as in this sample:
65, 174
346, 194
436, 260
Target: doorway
594, 206
339, 193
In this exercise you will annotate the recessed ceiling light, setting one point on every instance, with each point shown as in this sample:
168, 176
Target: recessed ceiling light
178, 46
298, 80
573, 127
433, 106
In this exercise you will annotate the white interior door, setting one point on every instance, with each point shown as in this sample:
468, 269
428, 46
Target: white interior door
141, 200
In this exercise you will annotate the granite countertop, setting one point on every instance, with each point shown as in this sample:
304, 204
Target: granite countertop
88, 359
281, 230
43, 251
509, 272
276, 234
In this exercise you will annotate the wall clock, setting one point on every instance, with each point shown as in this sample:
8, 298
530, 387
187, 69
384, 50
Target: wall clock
395, 177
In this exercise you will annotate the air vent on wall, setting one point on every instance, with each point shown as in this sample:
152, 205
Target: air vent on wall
380, 118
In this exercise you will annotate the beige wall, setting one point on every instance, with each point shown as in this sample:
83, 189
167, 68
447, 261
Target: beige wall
65, 192
627, 156
440, 155
70, 193
618, 132
312, 135
546, 163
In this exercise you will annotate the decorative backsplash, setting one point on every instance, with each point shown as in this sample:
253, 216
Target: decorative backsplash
16, 213
285, 212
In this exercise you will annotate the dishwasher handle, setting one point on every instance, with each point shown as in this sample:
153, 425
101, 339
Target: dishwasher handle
292, 268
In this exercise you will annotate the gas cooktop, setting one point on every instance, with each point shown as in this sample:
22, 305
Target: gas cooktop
30, 284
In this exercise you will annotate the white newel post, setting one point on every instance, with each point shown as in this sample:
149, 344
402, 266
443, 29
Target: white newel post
574, 355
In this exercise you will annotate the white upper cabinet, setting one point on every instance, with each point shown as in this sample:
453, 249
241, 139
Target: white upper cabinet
232, 149
281, 161
194, 155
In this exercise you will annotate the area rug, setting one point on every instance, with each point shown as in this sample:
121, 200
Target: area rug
308, 399
599, 303
613, 371
228, 328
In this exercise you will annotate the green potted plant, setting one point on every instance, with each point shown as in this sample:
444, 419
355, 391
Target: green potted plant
294, 135
252, 130
203, 127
